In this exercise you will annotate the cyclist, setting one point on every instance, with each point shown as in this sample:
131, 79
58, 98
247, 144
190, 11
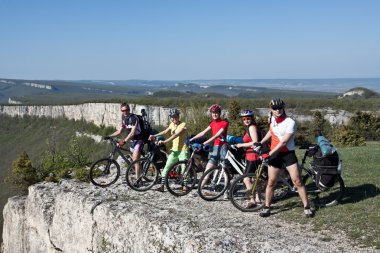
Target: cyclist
250, 137
282, 131
179, 152
218, 129
130, 122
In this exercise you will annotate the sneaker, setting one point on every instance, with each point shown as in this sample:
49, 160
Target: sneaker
308, 212
185, 189
161, 188
226, 195
265, 212
250, 205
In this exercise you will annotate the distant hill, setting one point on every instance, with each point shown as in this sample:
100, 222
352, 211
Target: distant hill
41, 92
360, 92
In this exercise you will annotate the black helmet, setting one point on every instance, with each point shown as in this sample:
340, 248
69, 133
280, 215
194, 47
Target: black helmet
246, 113
173, 112
276, 104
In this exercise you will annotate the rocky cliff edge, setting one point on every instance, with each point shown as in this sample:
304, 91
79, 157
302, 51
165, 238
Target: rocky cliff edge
77, 217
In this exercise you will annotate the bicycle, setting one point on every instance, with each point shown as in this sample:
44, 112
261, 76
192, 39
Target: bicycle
215, 182
321, 196
106, 171
182, 176
147, 175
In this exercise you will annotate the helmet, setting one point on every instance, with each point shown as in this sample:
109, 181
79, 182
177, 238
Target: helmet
216, 108
246, 113
276, 103
173, 112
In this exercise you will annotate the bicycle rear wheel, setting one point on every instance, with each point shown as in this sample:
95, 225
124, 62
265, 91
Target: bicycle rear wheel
324, 196
241, 197
141, 174
213, 184
181, 178
104, 172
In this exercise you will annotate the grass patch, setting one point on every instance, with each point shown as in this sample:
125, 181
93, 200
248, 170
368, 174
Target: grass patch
358, 214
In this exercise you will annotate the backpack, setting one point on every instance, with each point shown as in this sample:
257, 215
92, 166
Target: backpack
146, 128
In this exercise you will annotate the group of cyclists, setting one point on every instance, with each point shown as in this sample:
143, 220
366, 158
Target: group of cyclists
281, 135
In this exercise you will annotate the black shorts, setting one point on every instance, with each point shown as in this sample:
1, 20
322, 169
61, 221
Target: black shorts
251, 166
284, 158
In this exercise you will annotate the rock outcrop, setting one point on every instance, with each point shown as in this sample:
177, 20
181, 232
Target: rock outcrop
76, 217
108, 114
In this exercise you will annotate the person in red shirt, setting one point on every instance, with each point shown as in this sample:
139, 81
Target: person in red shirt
218, 128
251, 136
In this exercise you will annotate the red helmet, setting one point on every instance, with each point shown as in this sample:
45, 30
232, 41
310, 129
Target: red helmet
216, 108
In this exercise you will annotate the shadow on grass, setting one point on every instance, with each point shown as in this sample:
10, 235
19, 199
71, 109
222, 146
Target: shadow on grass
359, 193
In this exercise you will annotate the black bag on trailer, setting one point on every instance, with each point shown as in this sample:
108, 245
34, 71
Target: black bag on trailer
326, 168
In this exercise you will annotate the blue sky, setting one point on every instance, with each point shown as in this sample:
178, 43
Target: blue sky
181, 40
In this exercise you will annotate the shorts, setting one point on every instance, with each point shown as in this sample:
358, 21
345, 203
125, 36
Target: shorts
218, 153
284, 158
251, 166
137, 145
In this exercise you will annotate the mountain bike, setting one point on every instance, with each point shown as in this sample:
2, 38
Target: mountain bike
182, 176
320, 195
215, 182
106, 171
143, 173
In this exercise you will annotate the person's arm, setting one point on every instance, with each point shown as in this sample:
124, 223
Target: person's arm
161, 133
266, 137
201, 133
175, 135
214, 137
117, 132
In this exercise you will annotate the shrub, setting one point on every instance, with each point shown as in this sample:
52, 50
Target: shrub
23, 173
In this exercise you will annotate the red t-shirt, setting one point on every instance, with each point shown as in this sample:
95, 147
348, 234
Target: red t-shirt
216, 125
249, 154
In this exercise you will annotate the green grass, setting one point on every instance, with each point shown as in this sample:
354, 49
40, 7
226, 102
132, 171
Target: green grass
358, 214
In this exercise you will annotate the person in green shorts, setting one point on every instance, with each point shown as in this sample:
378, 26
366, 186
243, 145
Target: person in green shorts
178, 136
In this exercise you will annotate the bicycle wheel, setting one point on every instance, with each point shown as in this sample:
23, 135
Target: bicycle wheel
240, 196
104, 172
327, 196
141, 175
181, 178
213, 183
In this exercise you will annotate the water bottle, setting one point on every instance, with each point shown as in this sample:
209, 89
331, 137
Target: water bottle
234, 139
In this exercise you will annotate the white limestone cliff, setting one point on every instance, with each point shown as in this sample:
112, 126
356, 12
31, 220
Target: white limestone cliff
75, 217
108, 114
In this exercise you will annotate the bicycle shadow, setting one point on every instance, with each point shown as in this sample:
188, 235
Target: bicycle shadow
359, 193
351, 195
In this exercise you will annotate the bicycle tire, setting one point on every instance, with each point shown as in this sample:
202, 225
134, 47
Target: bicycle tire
212, 188
104, 172
143, 182
181, 178
324, 197
239, 195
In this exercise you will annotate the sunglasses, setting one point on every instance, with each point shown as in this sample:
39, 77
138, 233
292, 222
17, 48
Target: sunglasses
246, 118
126, 110
277, 107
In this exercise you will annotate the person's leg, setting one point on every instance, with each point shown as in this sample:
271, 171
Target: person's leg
172, 159
296, 179
212, 162
273, 174
136, 155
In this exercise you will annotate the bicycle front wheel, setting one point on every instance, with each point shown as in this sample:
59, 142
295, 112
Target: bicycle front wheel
181, 178
213, 183
241, 197
104, 172
141, 174
324, 196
